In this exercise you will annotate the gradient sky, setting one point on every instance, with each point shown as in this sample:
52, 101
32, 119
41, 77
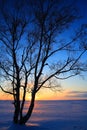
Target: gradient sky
73, 88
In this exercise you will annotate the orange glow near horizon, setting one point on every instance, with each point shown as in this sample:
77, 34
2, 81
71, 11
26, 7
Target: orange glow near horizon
39, 96
4, 96
46, 95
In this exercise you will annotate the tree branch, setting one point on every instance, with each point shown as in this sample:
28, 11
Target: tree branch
60, 78
6, 91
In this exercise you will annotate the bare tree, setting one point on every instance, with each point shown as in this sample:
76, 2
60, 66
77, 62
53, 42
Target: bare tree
31, 40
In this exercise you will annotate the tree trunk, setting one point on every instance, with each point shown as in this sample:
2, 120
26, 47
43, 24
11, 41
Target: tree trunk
28, 115
17, 102
16, 113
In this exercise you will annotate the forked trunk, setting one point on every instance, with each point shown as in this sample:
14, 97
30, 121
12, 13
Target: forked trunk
28, 115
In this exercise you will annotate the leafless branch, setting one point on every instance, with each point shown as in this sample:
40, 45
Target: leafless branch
6, 91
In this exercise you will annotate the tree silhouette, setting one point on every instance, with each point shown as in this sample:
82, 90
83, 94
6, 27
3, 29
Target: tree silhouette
31, 37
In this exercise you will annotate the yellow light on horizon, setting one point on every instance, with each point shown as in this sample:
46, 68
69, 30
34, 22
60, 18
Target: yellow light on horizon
45, 95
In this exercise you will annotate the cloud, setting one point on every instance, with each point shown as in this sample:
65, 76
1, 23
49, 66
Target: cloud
77, 94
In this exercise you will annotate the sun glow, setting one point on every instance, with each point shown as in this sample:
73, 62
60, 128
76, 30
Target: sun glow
28, 97
47, 94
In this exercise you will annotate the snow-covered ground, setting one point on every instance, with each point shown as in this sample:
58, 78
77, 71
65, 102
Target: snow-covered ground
48, 115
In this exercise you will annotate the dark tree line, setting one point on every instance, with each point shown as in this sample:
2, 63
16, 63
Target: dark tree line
31, 37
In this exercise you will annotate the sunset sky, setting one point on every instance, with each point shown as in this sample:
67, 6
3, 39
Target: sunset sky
73, 88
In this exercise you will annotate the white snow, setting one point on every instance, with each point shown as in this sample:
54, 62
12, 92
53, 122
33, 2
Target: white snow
48, 115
